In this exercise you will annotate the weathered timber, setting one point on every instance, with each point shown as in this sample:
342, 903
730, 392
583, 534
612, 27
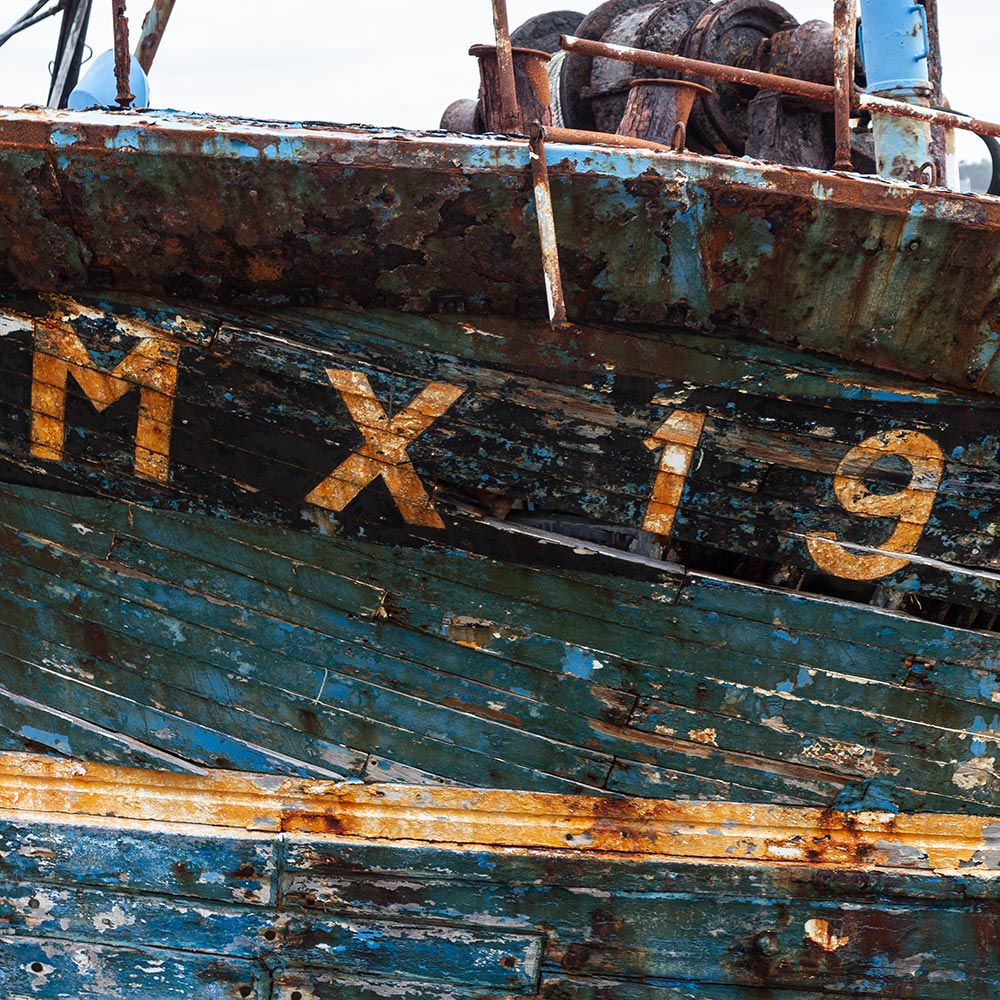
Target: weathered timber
263, 213
261, 426
475, 683
364, 891
473, 608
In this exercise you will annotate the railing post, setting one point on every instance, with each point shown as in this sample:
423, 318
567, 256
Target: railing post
547, 228
505, 57
845, 32
123, 57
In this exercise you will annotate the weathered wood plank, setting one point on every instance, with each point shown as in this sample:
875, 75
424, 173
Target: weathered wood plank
424, 949
701, 690
185, 863
271, 409
527, 894
43, 969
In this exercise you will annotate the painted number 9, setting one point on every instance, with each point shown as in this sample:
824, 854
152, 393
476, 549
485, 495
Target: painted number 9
911, 506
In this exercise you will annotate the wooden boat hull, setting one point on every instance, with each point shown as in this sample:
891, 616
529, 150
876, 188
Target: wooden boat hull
123, 882
535, 609
375, 546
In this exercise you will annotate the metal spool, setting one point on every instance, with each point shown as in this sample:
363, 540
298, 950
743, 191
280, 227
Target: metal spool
543, 30
610, 78
730, 32
659, 26
576, 69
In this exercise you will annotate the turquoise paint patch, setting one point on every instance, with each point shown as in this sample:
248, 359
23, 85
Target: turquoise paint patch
687, 270
578, 663
126, 138
63, 137
55, 740
980, 725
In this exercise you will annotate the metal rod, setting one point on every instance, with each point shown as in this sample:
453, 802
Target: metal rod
845, 33
696, 67
70, 54
547, 228
505, 58
153, 26
123, 58
882, 105
771, 81
581, 137
941, 140
31, 18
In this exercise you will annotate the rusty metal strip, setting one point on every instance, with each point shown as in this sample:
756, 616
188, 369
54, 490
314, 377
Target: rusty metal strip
505, 58
153, 27
772, 81
710, 831
845, 28
547, 229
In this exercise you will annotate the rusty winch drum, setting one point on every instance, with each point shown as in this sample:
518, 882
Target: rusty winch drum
658, 110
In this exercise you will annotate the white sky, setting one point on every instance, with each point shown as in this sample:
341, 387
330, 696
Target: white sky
387, 62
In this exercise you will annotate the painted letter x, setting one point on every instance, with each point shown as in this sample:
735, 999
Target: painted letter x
384, 450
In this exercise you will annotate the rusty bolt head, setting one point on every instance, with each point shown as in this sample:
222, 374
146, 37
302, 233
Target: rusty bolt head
766, 943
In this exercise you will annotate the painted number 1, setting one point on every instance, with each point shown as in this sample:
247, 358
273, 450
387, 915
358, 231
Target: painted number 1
677, 438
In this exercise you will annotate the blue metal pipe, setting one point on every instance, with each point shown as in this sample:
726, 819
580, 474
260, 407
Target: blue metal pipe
896, 48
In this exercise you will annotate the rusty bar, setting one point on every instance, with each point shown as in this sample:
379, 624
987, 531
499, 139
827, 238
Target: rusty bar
934, 46
882, 105
697, 67
153, 26
547, 228
940, 138
845, 29
770, 81
582, 137
505, 57
123, 59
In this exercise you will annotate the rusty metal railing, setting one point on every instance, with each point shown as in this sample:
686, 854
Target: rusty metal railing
786, 84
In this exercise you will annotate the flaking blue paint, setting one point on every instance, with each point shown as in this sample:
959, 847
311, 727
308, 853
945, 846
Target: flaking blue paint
57, 741
687, 270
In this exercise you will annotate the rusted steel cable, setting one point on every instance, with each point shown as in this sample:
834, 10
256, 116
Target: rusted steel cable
505, 58
845, 33
123, 58
771, 81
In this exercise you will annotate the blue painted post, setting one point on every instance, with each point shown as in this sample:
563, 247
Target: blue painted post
895, 47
